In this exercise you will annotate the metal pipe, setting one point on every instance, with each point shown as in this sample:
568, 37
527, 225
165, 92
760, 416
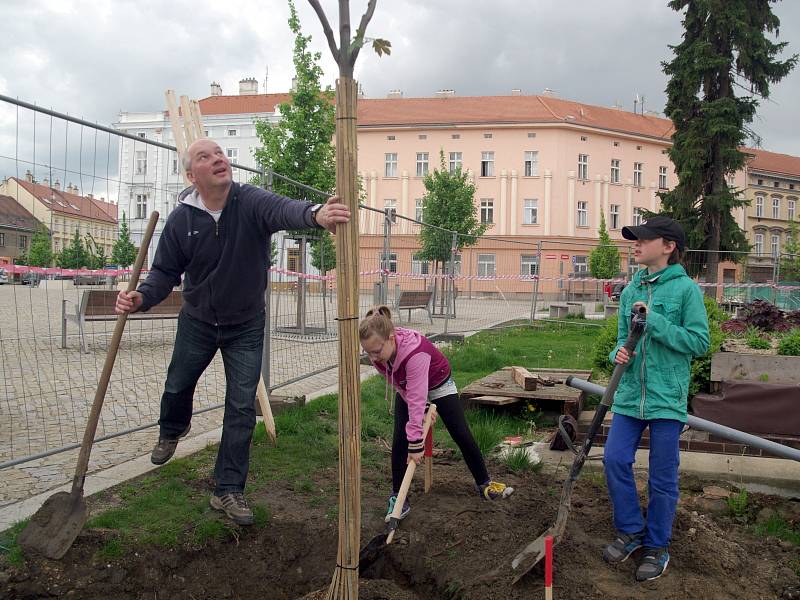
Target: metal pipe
740, 437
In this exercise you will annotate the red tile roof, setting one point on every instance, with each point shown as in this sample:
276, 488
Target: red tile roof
13, 214
772, 162
234, 105
464, 110
67, 203
495, 110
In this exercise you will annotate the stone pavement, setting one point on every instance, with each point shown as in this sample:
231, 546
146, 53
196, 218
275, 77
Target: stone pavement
46, 391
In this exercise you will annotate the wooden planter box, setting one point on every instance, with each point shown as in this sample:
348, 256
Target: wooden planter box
766, 368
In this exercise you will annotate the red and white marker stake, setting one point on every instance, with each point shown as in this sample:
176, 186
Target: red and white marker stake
548, 567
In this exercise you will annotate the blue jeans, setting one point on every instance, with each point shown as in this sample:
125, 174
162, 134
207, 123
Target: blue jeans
618, 459
241, 345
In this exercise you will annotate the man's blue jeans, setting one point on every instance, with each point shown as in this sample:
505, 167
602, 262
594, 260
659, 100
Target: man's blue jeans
241, 345
618, 459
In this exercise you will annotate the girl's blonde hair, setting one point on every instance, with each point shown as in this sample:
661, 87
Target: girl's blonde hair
378, 321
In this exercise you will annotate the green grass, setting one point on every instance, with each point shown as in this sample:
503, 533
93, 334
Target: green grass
779, 528
169, 507
738, 504
519, 461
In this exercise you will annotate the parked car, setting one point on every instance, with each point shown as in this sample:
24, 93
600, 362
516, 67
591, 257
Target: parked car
616, 291
3, 277
30, 278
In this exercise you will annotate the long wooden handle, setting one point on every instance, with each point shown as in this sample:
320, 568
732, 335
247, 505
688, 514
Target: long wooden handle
266, 410
409, 476
111, 356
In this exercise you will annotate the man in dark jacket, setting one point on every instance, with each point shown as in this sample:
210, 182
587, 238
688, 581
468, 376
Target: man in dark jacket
218, 239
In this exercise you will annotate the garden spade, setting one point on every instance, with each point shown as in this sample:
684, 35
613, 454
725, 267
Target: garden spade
54, 527
535, 551
375, 547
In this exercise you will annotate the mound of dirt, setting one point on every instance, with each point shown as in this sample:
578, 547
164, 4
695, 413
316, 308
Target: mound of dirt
452, 545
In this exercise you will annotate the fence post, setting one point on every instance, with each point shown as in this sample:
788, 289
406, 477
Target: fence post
449, 293
265, 353
535, 298
387, 233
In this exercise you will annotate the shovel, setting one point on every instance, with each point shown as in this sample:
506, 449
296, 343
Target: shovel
54, 527
535, 551
375, 547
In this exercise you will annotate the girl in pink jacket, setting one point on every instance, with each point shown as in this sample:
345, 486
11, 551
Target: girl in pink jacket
420, 373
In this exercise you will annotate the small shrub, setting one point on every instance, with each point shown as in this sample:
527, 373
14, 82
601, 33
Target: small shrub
701, 365
794, 318
790, 344
765, 316
756, 341
603, 345
735, 327
714, 311
738, 505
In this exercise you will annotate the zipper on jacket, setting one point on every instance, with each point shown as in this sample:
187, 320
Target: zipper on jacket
643, 370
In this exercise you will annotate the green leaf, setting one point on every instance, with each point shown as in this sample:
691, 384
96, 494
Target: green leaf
382, 47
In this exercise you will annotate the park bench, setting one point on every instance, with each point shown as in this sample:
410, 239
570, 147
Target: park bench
98, 305
412, 300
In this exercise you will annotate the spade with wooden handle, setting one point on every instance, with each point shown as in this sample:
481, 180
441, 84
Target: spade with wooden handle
54, 527
266, 409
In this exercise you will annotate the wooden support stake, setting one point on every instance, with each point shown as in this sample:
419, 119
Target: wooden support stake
524, 378
429, 458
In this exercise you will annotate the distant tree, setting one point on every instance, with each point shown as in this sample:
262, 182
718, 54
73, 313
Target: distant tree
604, 259
790, 259
75, 255
123, 252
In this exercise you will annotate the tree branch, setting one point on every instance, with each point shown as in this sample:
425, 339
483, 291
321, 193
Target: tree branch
362, 30
326, 27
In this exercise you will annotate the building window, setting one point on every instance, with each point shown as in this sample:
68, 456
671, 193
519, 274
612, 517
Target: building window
390, 164
584, 138
614, 170
581, 264
422, 164
530, 212
791, 186
637, 216
637, 174
633, 266
422, 136
2, 239
776, 208
775, 246
662, 178
455, 161
758, 246
141, 162
455, 136
141, 206
759, 206
486, 265
776, 184
487, 164
390, 138
531, 163
419, 266
418, 209
583, 166
23, 242
233, 132
614, 221
528, 265
583, 214
142, 135
487, 136
174, 166
391, 264
615, 144
232, 153
790, 205
390, 206
487, 210
760, 182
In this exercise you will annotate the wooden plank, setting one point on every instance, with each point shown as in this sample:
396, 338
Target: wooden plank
186, 115
732, 366
524, 378
177, 130
495, 400
501, 383
197, 120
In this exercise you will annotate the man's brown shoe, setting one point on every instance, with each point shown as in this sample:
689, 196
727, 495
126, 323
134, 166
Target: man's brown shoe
235, 506
165, 447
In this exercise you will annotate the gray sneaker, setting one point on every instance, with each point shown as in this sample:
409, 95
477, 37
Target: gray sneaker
654, 564
622, 547
235, 506
165, 447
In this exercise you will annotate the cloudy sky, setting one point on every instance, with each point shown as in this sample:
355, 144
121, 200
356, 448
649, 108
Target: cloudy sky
95, 58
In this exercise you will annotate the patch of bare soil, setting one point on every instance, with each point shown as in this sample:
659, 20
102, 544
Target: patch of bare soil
453, 545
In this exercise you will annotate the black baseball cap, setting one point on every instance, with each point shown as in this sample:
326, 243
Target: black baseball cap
657, 227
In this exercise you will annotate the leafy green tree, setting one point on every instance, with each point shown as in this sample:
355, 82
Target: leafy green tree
604, 259
40, 253
75, 255
96, 252
449, 203
790, 260
724, 46
123, 252
300, 145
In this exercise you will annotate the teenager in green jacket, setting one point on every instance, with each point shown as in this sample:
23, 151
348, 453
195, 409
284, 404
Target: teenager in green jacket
653, 392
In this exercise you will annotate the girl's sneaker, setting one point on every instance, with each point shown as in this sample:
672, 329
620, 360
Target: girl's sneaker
390, 510
492, 490
654, 564
622, 547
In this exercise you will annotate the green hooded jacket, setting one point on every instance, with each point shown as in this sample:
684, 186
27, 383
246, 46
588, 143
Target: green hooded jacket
655, 385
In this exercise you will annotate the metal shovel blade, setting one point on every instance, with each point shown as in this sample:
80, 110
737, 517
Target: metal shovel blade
371, 552
54, 527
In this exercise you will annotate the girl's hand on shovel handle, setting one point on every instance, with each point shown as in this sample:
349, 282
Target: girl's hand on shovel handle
622, 356
415, 456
